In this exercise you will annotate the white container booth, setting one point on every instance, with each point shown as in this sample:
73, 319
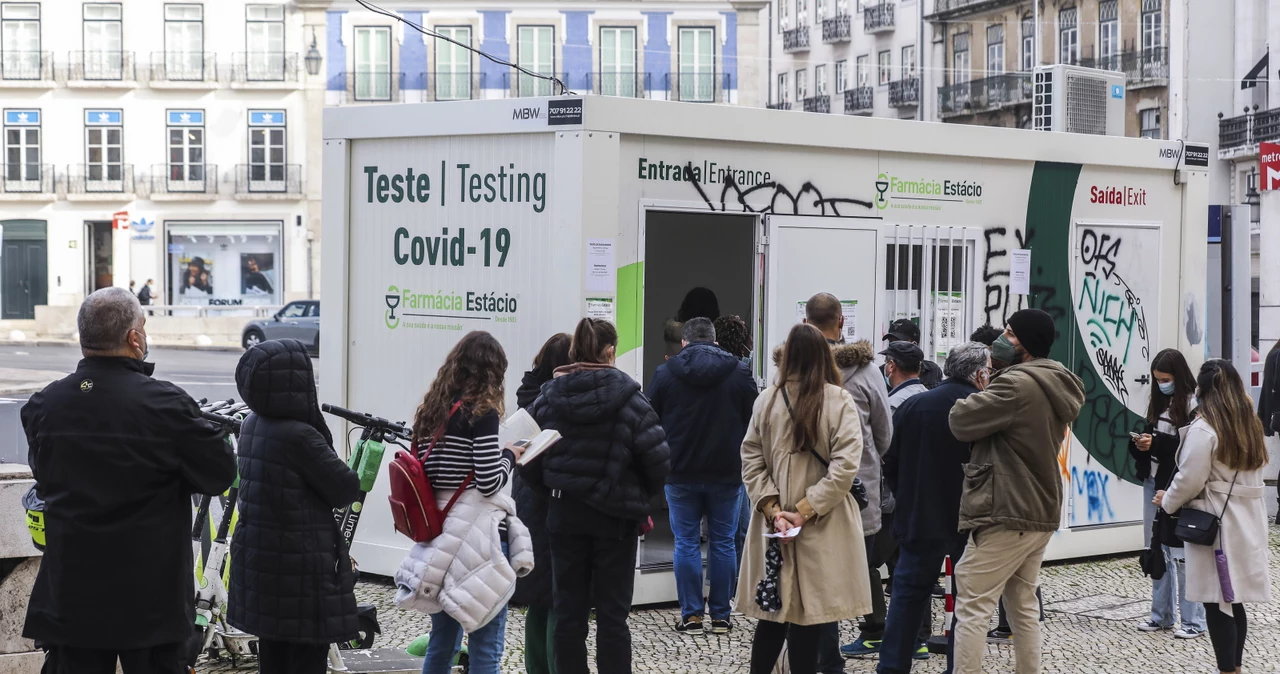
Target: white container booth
521, 216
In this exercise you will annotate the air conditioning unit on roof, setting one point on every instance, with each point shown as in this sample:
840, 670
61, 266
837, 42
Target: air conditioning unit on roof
1078, 100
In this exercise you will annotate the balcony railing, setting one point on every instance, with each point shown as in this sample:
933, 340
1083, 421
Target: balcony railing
877, 18
988, 93
108, 178
817, 103
698, 87
1146, 67
520, 85
859, 100
904, 92
183, 67
184, 179
796, 39
624, 84
26, 65
364, 86
266, 67
1249, 129
22, 178
945, 9
459, 86
836, 29
101, 66
268, 179
780, 105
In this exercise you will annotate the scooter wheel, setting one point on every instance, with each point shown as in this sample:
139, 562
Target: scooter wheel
368, 628
253, 648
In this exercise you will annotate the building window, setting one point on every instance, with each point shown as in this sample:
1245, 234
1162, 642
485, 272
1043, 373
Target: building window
1069, 36
820, 80
104, 146
103, 35
22, 150
995, 49
267, 152
618, 75
1028, 43
453, 64
20, 57
863, 65
225, 263
802, 12
802, 85
784, 18
1149, 120
184, 42
820, 10
960, 57
1108, 35
697, 64
1152, 25
884, 66
536, 53
186, 170
373, 63
842, 76
264, 41
784, 92
908, 62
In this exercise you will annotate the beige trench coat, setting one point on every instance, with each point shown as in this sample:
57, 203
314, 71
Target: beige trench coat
824, 569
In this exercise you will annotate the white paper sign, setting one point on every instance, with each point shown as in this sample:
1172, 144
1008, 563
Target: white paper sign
850, 310
602, 276
1020, 272
948, 316
789, 533
600, 308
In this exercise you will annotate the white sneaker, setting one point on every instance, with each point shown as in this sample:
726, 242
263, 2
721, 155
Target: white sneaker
733, 608
1184, 633
1153, 626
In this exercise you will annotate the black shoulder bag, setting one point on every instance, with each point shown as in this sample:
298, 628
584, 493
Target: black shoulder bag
1199, 527
858, 489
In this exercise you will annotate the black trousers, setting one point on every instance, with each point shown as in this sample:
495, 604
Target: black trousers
284, 657
593, 560
166, 659
881, 547
1226, 633
802, 647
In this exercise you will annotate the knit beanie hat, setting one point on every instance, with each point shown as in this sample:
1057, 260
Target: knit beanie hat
1034, 330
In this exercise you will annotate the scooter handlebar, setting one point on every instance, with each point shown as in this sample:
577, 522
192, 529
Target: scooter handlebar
367, 420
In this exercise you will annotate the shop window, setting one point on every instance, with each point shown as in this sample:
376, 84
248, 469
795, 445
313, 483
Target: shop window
224, 263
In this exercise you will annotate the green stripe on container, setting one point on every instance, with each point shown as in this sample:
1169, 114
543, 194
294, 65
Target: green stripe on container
630, 307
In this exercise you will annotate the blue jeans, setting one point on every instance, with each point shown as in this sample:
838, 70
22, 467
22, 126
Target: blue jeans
688, 504
484, 646
740, 540
1170, 590
913, 581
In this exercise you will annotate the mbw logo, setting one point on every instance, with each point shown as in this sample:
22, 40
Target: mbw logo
526, 113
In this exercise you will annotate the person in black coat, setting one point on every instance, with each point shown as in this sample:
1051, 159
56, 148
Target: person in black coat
292, 584
116, 456
534, 590
611, 461
1269, 403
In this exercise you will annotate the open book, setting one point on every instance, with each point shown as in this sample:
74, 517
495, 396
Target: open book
521, 427
539, 444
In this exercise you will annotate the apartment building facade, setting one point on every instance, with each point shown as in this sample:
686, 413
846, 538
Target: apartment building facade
853, 57
986, 50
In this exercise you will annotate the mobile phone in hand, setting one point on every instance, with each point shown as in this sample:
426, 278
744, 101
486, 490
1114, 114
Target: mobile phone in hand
1135, 436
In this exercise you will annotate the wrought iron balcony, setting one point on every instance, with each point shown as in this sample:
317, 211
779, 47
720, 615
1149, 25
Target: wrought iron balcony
264, 68
520, 85
877, 18
698, 87
949, 9
184, 179
21, 178
255, 179
624, 84
982, 95
455, 86
26, 66
904, 92
367, 86
1241, 135
183, 67
104, 178
780, 105
1142, 68
817, 104
837, 28
859, 101
101, 66
796, 39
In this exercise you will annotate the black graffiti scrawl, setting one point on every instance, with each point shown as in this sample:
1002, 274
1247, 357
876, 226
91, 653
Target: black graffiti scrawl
773, 197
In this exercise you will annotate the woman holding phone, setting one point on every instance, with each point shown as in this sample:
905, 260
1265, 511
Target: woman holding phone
1171, 407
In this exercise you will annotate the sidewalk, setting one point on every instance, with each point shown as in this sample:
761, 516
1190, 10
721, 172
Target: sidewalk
182, 346
14, 380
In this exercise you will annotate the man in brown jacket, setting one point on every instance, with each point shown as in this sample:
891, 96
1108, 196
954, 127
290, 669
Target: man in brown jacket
1012, 500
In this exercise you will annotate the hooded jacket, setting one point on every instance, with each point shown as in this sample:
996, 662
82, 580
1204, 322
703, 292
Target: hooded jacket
612, 454
1018, 426
291, 576
862, 379
534, 588
530, 387
703, 397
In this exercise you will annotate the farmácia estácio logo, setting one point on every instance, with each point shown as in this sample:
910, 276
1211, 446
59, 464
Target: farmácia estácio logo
442, 309
892, 187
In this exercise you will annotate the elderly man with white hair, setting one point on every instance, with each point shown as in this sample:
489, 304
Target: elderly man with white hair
116, 456
924, 466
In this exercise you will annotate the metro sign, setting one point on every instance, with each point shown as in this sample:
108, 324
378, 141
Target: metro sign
1269, 159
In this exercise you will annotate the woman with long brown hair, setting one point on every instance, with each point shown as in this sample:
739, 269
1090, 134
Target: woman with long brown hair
798, 463
1220, 472
1171, 407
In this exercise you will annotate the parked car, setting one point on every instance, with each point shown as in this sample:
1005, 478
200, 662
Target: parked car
297, 320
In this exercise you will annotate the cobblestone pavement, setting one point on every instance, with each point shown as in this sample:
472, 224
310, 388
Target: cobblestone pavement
1092, 609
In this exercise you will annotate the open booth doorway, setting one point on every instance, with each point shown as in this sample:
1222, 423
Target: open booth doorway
683, 251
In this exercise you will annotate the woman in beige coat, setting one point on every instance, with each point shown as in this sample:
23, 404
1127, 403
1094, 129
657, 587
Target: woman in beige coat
1222, 454
822, 577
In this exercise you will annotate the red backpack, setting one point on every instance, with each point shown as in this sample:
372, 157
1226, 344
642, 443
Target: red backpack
413, 501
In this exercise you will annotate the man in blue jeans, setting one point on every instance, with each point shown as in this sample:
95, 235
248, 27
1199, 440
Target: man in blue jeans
704, 397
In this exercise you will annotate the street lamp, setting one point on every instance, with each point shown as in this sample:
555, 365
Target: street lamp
1252, 199
313, 58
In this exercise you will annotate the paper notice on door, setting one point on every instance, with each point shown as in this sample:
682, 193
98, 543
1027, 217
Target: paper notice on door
602, 276
600, 308
1020, 272
847, 307
948, 317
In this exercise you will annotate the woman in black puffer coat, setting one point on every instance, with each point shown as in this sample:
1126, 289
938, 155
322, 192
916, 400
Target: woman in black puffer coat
292, 584
534, 590
611, 461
